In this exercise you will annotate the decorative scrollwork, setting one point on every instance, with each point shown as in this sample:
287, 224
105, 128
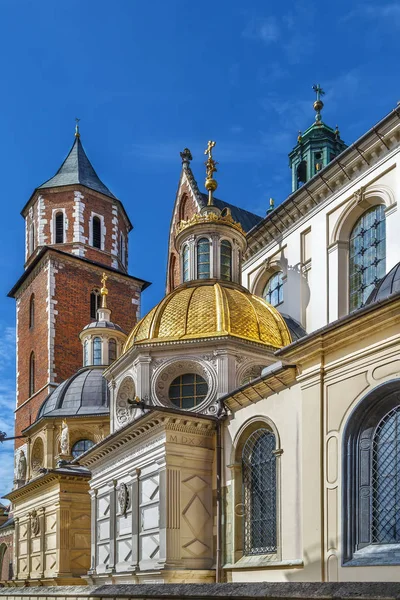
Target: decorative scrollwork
123, 498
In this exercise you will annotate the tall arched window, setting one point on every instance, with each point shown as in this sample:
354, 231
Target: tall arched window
96, 224
59, 228
112, 350
371, 479
203, 259
273, 291
32, 311
226, 260
32, 374
97, 351
185, 263
95, 301
367, 255
259, 493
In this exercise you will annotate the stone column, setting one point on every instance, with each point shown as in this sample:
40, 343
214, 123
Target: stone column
93, 531
113, 523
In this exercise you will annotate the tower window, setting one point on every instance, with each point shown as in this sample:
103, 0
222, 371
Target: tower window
94, 303
226, 260
301, 173
96, 224
367, 255
273, 291
203, 259
32, 311
259, 493
32, 374
185, 263
59, 226
112, 350
97, 351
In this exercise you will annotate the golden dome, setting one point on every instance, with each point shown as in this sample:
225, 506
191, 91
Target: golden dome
210, 310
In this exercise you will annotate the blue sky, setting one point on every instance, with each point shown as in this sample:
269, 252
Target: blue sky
148, 79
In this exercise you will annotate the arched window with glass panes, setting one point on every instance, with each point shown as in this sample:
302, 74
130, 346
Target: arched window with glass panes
95, 303
97, 351
273, 291
59, 228
367, 255
226, 260
112, 350
203, 258
259, 493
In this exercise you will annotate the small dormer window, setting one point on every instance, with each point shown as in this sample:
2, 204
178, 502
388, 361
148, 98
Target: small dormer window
59, 228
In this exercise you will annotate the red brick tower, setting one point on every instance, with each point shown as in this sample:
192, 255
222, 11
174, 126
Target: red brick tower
75, 229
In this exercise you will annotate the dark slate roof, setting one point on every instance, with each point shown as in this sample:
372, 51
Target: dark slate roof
7, 523
388, 285
247, 219
85, 393
104, 325
297, 331
77, 168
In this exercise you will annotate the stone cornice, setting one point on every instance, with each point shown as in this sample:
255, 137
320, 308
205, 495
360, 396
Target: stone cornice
44, 480
376, 145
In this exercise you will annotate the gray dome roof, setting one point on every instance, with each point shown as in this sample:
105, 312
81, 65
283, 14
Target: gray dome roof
297, 331
388, 285
104, 325
85, 393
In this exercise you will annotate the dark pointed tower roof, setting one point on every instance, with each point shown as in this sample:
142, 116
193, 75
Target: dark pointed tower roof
77, 168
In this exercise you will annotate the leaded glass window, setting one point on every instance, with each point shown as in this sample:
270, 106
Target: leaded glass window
97, 351
80, 447
273, 291
112, 350
185, 263
259, 493
187, 391
226, 260
203, 259
367, 255
386, 480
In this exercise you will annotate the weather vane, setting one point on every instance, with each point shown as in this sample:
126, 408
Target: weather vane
211, 167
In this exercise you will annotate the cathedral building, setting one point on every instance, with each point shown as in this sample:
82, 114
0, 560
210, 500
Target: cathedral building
249, 427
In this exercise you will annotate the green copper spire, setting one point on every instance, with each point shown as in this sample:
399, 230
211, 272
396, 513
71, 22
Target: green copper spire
316, 147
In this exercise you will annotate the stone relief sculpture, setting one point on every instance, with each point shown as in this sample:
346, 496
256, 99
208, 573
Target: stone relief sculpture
64, 438
123, 498
21, 469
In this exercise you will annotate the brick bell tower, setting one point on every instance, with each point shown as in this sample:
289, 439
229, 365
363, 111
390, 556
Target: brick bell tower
75, 229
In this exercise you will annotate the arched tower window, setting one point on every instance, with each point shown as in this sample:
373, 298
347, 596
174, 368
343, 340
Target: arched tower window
96, 224
259, 493
185, 263
112, 350
203, 259
86, 353
97, 351
273, 291
301, 173
367, 255
95, 301
59, 228
32, 311
32, 374
226, 261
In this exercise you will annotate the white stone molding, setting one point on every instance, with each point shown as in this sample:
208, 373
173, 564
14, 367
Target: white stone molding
54, 213
103, 229
124, 411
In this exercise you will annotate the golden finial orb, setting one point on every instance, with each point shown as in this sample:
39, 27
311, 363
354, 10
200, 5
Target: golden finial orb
211, 168
104, 291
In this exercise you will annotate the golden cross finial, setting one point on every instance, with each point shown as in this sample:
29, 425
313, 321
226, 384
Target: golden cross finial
211, 168
104, 291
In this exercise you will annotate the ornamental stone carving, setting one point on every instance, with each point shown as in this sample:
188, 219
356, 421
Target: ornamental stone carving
123, 498
64, 443
21, 469
37, 456
124, 411
35, 523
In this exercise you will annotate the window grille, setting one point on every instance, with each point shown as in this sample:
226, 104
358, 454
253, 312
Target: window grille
203, 259
273, 291
386, 480
112, 350
367, 255
97, 351
32, 374
95, 302
80, 447
96, 224
59, 228
185, 263
187, 391
259, 493
226, 260
32, 311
